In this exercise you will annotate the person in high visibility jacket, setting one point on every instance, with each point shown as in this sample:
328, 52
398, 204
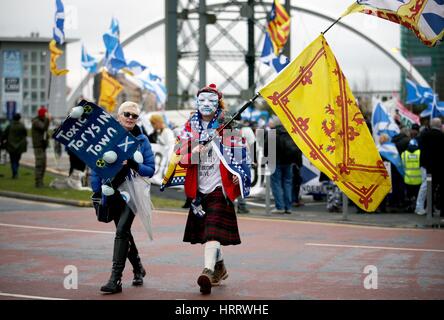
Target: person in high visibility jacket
412, 178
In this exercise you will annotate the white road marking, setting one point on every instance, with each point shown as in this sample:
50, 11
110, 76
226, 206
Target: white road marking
370, 247
53, 229
54, 205
28, 297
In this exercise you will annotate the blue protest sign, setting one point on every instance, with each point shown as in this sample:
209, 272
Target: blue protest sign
92, 135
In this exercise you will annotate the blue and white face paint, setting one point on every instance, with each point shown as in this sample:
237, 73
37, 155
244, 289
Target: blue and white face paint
207, 103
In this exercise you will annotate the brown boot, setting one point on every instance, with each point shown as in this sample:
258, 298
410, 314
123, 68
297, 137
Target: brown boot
205, 280
220, 273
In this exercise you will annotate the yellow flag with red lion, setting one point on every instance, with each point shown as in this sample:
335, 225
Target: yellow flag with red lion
314, 102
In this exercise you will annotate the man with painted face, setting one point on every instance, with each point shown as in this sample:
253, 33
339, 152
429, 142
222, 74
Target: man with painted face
213, 184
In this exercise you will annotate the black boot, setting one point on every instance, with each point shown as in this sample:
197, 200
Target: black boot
114, 284
138, 270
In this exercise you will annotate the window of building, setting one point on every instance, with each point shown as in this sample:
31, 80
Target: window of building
33, 56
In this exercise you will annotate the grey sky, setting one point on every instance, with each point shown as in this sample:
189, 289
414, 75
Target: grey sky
364, 66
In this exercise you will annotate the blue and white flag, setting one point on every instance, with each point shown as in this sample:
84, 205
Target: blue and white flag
114, 57
135, 67
88, 62
156, 87
383, 122
269, 58
417, 94
59, 22
434, 109
234, 155
114, 28
389, 151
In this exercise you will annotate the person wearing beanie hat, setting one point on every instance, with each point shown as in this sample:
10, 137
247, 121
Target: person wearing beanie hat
212, 183
40, 138
42, 112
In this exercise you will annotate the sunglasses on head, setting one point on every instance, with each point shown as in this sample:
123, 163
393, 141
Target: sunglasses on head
132, 115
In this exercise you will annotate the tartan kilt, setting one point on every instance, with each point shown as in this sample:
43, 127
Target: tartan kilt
219, 223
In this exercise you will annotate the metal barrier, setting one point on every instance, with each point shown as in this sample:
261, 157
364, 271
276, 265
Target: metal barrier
344, 207
429, 200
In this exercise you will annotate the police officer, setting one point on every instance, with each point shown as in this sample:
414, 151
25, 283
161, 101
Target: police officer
412, 178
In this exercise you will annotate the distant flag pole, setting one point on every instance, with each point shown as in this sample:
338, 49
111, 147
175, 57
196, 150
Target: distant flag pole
337, 20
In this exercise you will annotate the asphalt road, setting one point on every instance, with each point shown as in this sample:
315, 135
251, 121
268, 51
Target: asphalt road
43, 247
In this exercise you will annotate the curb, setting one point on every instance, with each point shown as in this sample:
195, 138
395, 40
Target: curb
34, 197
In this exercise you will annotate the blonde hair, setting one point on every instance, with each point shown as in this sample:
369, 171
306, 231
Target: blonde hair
156, 118
128, 105
383, 138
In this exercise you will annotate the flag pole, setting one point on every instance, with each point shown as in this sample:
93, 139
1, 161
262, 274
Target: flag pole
238, 113
337, 20
235, 116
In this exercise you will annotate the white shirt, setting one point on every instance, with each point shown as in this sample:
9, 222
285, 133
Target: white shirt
209, 172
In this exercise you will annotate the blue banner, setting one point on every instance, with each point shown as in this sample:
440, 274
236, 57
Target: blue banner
94, 133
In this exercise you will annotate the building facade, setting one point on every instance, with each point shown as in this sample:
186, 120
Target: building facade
26, 83
428, 61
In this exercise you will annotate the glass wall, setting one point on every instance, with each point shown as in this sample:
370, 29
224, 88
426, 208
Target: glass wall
35, 84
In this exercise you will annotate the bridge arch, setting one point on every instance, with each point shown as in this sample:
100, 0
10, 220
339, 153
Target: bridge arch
397, 58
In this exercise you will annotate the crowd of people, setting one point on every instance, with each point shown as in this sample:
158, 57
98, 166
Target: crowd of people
421, 151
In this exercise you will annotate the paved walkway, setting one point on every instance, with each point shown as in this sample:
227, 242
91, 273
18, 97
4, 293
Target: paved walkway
46, 249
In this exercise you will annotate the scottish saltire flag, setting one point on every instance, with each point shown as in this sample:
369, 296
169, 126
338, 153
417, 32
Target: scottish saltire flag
135, 67
312, 98
153, 84
424, 17
114, 57
88, 62
416, 94
269, 58
434, 109
389, 151
253, 114
114, 27
154, 77
278, 26
59, 22
383, 122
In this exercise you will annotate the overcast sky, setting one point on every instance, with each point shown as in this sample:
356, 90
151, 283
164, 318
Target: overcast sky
365, 66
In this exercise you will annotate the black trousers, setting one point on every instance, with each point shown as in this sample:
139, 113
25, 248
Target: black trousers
123, 222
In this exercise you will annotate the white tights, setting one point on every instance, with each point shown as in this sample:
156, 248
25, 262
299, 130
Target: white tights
213, 254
